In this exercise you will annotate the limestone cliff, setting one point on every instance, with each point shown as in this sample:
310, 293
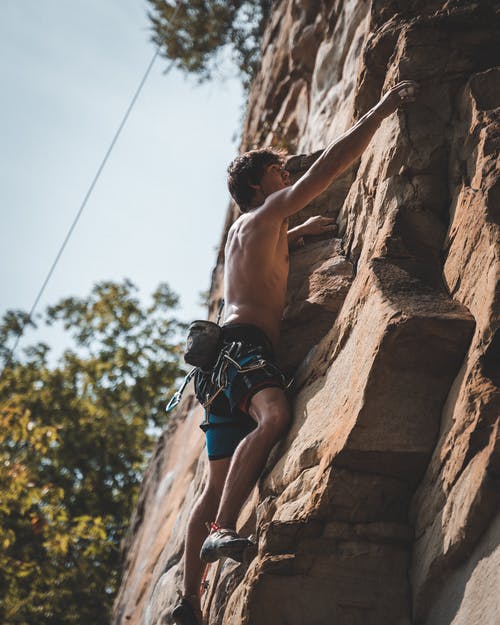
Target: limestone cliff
381, 505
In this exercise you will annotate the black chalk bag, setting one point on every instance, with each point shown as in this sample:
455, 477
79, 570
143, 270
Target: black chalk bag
202, 344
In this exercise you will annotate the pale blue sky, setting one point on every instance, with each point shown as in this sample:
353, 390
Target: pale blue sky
69, 69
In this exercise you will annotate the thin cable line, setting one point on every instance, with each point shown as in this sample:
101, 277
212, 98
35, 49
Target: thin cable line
86, 198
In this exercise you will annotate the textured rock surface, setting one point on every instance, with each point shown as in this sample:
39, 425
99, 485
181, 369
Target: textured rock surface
381, 505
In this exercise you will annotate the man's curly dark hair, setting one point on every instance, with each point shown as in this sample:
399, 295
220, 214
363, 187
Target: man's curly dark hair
248, 169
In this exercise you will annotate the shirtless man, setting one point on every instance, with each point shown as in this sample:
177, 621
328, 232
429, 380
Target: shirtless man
249, 418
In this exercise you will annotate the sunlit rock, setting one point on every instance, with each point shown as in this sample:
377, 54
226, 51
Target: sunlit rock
380, 505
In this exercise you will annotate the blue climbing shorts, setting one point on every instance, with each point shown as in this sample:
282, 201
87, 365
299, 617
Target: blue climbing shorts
227, 420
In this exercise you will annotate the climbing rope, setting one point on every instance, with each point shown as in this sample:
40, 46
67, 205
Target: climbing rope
86, 198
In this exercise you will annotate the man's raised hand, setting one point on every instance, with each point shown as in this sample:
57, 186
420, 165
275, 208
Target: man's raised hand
404, 92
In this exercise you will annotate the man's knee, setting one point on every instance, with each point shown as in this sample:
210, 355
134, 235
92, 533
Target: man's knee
274, 420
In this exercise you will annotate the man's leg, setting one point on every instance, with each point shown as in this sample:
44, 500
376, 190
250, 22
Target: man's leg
204, 511
270, 409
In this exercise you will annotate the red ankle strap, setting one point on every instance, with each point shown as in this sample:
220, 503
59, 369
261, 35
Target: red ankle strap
214, 527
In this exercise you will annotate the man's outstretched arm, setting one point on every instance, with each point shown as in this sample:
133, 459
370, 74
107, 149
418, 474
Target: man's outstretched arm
340, 154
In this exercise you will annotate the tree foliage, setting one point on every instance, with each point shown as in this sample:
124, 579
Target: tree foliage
194, 32
73, 442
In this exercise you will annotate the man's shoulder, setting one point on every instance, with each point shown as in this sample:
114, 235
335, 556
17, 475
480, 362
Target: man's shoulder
257, 219
238, 228
253, 226
238, 223
248, 219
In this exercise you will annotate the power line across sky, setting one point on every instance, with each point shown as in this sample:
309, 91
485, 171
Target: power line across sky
157, 213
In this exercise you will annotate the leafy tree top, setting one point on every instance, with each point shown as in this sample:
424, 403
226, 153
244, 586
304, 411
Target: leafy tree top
193, 33
74, 439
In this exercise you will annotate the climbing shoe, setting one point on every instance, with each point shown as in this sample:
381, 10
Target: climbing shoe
224, 543
185, 614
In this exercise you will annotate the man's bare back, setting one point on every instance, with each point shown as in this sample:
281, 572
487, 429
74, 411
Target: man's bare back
256, 272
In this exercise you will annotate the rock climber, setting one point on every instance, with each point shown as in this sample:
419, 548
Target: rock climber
243, 423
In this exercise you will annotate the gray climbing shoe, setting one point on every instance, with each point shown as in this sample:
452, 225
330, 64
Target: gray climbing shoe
185, 614
223, 543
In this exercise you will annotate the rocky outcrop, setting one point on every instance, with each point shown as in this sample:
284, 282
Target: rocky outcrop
381, 504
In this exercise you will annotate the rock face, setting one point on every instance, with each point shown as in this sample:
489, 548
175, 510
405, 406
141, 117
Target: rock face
381, 504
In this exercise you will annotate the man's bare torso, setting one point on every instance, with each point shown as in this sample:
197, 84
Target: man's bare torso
256, 272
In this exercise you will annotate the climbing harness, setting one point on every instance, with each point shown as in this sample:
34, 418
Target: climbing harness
220, 378
209, 384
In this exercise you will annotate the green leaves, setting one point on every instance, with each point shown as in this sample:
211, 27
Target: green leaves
74, 440
193, 33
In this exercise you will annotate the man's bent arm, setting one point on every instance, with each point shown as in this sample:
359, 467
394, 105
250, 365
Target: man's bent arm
314, 225
339, 155
294, 234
